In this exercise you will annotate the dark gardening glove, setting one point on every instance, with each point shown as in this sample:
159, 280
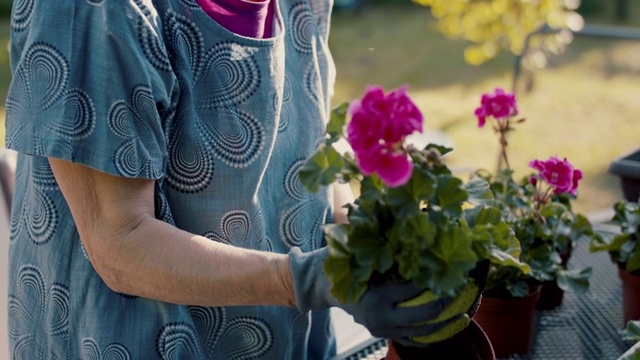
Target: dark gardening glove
384, 309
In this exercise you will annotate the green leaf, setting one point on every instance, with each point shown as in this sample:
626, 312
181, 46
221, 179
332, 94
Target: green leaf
408, 260
405, 200
503, 258
450, 195
320, 169
344, 285
369, 246
371, 187
479, 191
454, 258
443, 150
339, 268
633, 263
518, 289
335, 126
632, 332
607, 242
415, 230
481, 215
575, 280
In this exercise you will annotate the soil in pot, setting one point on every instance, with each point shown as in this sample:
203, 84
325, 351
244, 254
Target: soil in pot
508, 322
630, 295
470, 344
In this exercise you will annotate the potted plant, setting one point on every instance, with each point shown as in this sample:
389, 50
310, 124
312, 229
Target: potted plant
412, 221
624, 251
538, 208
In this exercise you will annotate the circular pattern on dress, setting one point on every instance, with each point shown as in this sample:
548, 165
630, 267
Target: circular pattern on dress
292, 184
312, 86
191, 4
283, 105
31, 288
237, 138
126, 159
152, 47
302, 27
236, 227
251, 338
41, 218
190, 169
42, 176
234, 73
42, 61
58, 314
16, 224
209, 321
137, 156
78, 103
178, 340
185, 38
91, 351
296, 228
22, 14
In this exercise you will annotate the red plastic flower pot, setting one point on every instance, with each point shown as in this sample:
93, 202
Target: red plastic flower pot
630, 295
508, 322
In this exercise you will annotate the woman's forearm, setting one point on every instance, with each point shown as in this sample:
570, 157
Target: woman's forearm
156, 260
136, 254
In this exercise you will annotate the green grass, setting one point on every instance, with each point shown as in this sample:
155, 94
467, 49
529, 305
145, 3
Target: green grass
583, 106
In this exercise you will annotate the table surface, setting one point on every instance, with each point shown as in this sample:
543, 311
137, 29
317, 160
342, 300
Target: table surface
585, 326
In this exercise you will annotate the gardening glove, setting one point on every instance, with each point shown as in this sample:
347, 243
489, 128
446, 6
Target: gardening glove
383, 309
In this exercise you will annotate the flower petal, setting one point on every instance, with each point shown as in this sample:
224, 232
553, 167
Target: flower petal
395, 169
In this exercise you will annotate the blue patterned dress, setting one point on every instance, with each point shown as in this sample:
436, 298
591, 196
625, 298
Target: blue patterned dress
155, 89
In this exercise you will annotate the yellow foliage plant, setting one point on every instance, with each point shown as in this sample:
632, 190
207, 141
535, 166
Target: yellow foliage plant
512, 25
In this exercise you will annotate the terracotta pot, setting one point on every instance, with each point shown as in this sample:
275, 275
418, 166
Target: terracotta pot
508, 322
630, 295
550, 294
470, 344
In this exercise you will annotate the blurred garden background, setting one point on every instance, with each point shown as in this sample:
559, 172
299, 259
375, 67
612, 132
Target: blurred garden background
583, 105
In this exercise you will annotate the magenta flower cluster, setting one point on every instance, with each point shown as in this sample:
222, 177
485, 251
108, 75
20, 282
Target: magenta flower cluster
379, 124
559, 174
500, 105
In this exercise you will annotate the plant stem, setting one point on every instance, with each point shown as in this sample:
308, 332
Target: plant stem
504, 127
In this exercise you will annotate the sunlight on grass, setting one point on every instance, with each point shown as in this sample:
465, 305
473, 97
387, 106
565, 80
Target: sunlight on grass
583, 106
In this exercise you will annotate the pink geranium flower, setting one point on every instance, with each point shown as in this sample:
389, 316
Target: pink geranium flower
559, 174
379, 124
500, 105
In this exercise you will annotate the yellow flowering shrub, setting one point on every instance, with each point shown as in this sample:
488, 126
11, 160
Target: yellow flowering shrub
494, 25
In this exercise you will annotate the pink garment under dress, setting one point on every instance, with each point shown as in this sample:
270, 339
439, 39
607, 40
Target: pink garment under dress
243, 17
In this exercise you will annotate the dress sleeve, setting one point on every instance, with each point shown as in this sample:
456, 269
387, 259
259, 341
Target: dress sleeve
92, 83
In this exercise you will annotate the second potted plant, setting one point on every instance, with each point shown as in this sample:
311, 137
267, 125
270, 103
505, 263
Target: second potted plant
539, 211
624, 250
413, 221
